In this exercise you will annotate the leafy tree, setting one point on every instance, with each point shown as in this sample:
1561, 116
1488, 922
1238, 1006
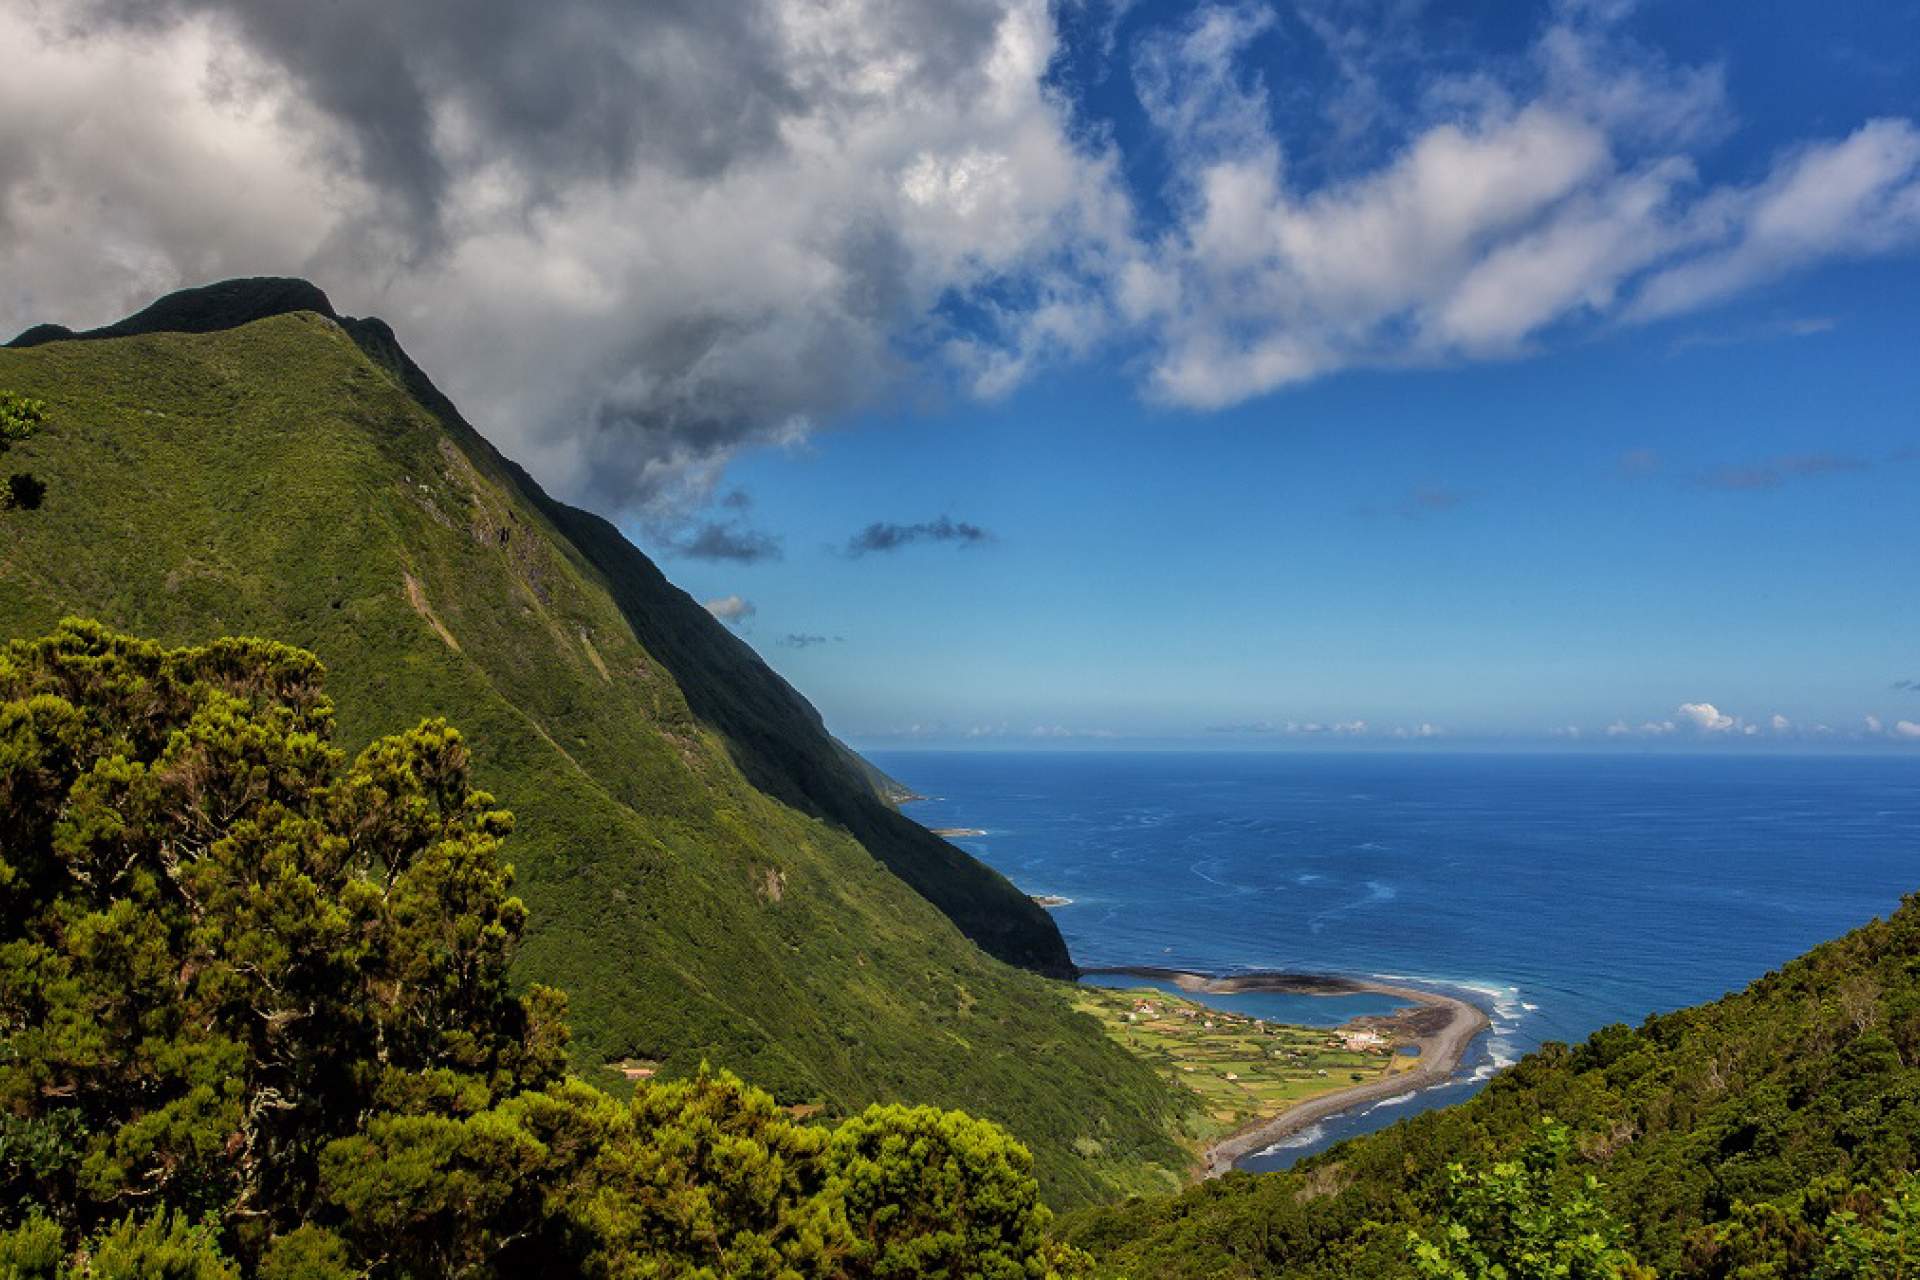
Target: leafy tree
1886, 1249
255, 1020
33, 1249
1525, 1219
925, 1192
706, 1177
221, 947
164, 1247
20, 418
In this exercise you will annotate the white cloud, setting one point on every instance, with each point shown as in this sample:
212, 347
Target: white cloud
731, 610
1501, 217
1706, 717
1342, 727
1780, 723
1850, 198
1906, 729
1062, 731
1873, 724
634, 244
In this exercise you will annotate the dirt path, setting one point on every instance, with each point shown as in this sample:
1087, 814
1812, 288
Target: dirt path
1443, 1043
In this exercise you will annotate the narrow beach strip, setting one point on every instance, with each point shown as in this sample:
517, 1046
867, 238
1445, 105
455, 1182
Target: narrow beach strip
1444, 1036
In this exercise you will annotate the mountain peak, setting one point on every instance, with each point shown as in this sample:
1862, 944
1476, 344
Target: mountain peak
204, 309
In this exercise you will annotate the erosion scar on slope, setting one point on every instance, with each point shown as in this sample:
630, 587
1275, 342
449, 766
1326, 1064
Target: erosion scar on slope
417, 597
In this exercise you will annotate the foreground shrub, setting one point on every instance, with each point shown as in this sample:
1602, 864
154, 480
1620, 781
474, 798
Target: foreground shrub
255, 1019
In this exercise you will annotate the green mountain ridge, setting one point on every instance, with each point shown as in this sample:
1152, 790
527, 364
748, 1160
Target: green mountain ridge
711, 875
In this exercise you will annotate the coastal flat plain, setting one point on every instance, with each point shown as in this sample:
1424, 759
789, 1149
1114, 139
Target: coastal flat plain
1260, 1081
1243, 1068
1561, 893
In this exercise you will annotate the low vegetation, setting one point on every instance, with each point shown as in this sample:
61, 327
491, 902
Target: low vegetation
1240, 1068
20, 418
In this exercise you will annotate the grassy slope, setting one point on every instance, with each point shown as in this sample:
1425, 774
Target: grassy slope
1814, 1071
274, 479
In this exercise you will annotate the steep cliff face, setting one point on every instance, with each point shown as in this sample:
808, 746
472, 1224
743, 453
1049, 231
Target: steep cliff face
711, 875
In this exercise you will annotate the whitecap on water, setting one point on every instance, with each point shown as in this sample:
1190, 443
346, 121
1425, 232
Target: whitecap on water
1304, 1138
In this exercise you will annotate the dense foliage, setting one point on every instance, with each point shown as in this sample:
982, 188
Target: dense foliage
709, 875
1737, 1140
20, 418
1524, 1219
255, 1019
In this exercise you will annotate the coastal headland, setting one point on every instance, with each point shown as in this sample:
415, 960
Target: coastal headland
1441, 1026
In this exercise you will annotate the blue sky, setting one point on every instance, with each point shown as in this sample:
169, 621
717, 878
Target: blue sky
1256, 373
1498, 550
1713, 508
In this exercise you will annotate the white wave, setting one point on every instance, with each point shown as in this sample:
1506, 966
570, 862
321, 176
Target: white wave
1506, 1013
1507, 1006
1304, 1138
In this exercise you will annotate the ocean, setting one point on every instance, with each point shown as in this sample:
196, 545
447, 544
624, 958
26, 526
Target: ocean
1561, 893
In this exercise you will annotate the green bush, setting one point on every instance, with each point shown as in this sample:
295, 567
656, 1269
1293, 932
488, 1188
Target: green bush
20, 418
1885, 1246
255, 1019
1524, 1219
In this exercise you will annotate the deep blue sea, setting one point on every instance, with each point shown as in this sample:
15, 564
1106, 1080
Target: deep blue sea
1560, 892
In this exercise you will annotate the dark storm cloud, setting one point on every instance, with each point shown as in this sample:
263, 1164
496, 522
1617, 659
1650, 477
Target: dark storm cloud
1640, 462
1774, 472
711, 540
588, 88
450, 123
802, 640
883, 536
1418, 502
1432, 499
